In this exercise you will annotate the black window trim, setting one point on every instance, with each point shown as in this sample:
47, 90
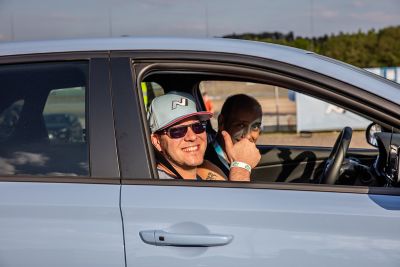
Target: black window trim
129, 124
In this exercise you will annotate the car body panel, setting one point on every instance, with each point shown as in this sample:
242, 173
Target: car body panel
59, 224
269, 227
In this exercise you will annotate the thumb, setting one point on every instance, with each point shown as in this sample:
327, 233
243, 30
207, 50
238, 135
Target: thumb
228, 144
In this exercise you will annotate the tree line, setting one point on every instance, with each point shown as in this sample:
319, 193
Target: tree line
363, 49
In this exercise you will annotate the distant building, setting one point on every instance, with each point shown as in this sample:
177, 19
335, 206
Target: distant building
390, 73
312, 114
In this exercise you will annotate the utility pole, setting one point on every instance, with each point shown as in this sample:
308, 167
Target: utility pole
312, 24
12, 26
278, 126
206, 18
110, 21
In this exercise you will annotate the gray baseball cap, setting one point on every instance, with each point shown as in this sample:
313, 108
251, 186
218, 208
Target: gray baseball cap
171, 108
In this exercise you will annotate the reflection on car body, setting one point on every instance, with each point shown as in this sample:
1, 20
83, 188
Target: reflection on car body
78, 180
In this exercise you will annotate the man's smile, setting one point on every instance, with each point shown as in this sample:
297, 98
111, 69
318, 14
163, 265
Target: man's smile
191, 148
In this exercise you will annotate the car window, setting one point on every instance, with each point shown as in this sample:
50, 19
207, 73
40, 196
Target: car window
297, 135
42, 119
290, 118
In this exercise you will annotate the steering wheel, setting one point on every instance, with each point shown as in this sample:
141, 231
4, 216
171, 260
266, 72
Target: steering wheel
332, 166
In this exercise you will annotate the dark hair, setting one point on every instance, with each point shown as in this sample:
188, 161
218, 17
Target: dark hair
239, 101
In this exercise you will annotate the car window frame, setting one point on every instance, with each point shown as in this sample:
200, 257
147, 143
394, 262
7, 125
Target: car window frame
98, 118
143, 62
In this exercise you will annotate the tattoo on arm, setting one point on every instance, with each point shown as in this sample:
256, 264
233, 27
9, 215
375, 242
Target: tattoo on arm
211, 176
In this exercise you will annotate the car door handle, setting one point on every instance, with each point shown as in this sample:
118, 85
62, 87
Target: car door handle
162, 238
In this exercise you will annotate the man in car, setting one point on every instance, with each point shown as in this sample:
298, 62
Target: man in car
179, 136
240, 116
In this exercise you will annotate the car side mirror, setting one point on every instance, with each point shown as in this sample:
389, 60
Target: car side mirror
372, 129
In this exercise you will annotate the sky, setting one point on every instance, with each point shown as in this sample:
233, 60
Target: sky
57, 19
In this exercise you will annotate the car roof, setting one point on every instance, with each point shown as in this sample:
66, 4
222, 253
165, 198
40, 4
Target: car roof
293, 56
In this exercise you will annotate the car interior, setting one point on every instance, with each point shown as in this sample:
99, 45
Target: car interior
301, 164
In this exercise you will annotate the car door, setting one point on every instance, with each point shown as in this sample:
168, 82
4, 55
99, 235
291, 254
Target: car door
59, 181
250, 226
188, 223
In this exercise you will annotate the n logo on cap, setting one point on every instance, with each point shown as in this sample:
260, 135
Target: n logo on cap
183, 102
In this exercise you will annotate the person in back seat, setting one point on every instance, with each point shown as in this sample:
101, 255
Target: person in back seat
179, 136
240, 116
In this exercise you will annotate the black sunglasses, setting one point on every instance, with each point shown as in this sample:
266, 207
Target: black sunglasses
180, 131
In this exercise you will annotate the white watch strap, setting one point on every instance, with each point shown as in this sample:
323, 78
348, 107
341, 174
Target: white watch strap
241, 165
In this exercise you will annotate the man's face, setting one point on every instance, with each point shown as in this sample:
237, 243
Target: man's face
243, 123
186, 152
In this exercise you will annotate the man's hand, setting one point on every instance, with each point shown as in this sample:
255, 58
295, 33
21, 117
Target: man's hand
243, 151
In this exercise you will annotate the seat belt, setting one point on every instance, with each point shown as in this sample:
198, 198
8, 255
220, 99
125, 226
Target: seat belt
161, 159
